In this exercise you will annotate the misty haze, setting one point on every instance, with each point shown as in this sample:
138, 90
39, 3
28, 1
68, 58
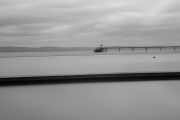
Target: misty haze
89, 37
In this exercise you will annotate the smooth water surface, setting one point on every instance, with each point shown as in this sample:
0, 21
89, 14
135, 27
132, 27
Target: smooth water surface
157, 100
154, 100
89, 53
66, 65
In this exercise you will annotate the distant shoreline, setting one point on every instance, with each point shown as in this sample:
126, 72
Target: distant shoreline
43, 49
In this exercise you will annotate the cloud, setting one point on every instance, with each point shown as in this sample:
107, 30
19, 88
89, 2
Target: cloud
154, 15
15, 31
57, 30
134, 23
24, 29
79, 18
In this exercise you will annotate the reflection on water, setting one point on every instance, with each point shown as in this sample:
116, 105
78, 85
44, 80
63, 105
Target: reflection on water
157, 100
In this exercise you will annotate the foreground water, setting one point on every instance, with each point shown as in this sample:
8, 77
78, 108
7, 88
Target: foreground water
158, 100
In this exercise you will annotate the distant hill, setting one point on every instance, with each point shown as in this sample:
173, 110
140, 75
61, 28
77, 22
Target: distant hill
43, 49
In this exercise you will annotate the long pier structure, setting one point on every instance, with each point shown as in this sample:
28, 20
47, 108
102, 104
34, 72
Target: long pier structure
119, 48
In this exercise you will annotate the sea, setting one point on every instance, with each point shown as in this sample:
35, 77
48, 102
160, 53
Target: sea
140, 100
88, 62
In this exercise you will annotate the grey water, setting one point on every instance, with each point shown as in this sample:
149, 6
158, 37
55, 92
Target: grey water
91, 101
93, 64
157, 100
87, 53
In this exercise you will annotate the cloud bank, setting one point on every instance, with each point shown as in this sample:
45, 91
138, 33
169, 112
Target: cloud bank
89, 22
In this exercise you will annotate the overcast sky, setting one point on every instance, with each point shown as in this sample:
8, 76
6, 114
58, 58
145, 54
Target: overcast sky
89, 22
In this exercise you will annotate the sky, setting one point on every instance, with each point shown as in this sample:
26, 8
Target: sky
73, 23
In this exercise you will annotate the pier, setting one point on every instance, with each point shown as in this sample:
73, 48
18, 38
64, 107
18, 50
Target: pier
133, 48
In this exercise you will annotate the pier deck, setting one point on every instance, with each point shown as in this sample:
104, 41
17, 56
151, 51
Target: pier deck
132, 48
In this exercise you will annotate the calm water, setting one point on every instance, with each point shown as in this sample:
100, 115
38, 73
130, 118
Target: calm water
87, 53
157, 100
65, 65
